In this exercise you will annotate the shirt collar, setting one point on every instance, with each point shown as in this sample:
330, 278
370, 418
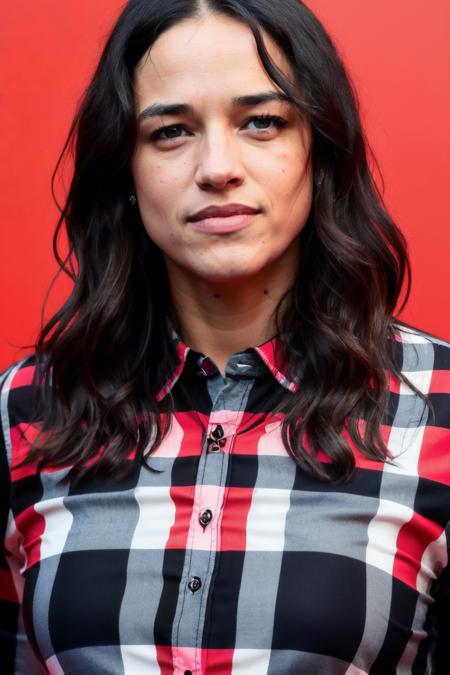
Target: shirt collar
271, 353
275, 358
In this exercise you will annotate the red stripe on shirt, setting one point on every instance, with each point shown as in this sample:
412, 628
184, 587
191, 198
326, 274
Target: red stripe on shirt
414, 537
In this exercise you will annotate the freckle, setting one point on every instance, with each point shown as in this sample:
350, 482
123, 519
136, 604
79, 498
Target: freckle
217, 295
266, 292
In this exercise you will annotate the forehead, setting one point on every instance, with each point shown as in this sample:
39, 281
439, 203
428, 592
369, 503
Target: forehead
209, 54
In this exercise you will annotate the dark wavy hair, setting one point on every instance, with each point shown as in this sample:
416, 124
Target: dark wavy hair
103, 356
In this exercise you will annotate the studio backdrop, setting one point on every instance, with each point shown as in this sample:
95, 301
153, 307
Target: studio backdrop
397, 53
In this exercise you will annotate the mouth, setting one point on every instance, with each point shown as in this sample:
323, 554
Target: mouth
223, 225
223, 219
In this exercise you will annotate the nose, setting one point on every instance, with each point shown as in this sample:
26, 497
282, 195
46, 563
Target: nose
219, 164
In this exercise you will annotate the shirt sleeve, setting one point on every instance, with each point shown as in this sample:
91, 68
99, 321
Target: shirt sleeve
441, 664
16, 655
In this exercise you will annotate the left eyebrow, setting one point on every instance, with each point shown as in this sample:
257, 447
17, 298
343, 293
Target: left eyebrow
161, 109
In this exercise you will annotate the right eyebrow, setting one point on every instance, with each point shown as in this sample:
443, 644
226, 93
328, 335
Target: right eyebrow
174, 109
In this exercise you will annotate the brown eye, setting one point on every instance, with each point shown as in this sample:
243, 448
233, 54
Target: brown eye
167, 133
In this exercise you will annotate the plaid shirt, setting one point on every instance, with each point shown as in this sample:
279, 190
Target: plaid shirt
221, 556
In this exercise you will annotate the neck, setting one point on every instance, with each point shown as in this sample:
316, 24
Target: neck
222, 319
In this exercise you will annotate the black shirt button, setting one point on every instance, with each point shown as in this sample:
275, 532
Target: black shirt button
194, 584
217, 439
205, 518
218, 432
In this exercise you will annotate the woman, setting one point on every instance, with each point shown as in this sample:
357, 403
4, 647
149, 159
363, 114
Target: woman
226, 455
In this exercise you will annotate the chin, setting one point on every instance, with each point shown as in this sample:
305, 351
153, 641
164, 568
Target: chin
224, 276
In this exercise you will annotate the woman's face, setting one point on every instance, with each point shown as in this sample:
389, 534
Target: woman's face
217, 148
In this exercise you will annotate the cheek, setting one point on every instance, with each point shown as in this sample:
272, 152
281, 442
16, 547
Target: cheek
289, 169
292, 187
158, 188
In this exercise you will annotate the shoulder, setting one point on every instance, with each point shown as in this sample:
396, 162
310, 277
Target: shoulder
421, 352
18, 399
424, 361
17, 383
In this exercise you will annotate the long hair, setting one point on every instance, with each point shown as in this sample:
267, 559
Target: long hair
103, 356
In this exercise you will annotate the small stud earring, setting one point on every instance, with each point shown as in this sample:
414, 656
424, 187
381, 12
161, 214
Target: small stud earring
319, 179
133, 200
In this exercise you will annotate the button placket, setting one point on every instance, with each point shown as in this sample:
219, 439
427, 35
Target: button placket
219, 435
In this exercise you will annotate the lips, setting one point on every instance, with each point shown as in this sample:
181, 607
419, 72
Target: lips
226, 211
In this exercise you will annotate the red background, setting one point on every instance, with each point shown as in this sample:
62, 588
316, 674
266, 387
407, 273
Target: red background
398, 55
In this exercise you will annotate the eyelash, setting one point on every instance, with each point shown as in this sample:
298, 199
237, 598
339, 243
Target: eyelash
278, 122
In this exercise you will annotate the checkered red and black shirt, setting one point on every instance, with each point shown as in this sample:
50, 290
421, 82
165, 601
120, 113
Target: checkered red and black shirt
222, 556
